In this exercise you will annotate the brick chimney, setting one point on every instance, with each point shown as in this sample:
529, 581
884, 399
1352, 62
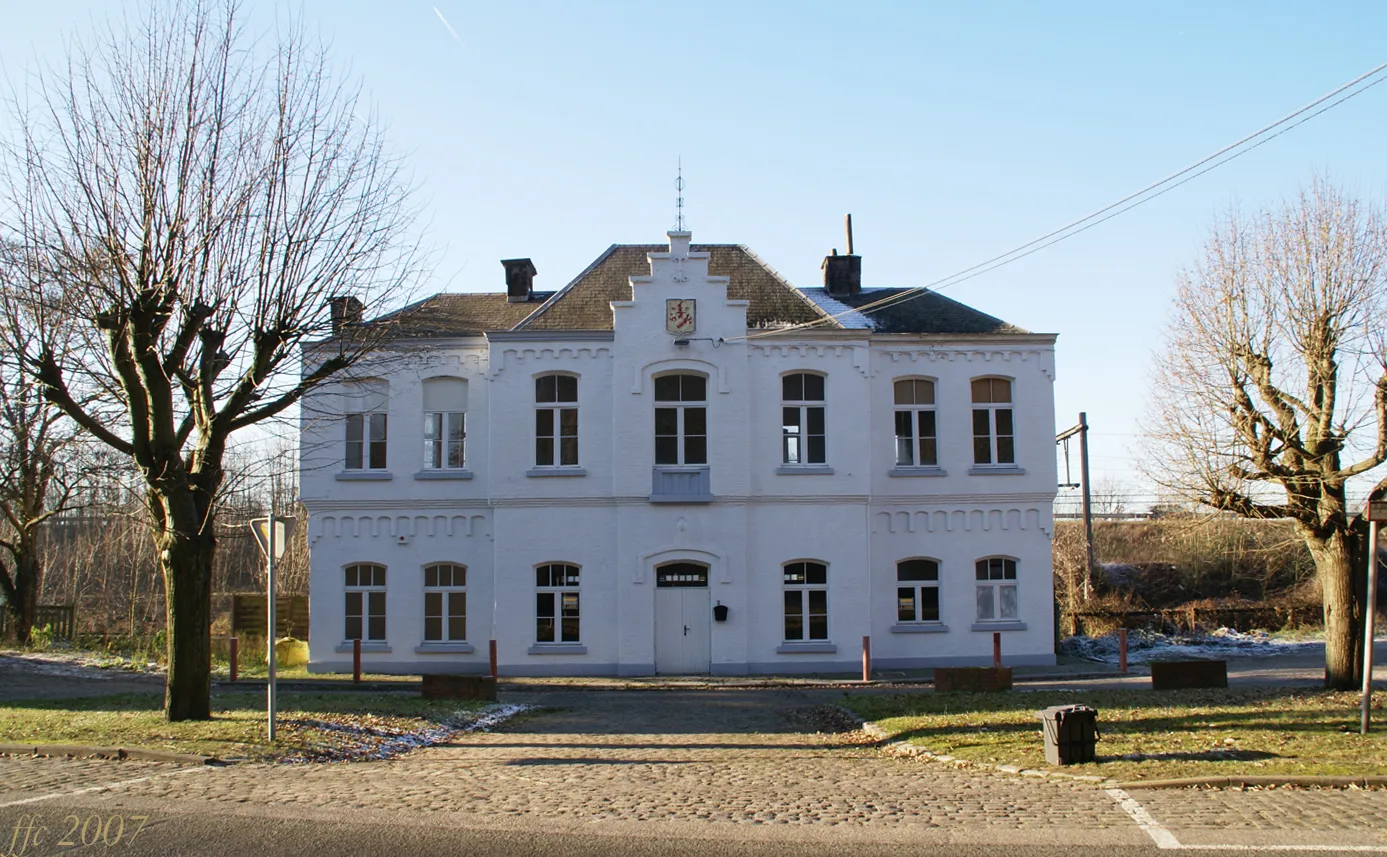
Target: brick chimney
346, 309
520, 279
843, 274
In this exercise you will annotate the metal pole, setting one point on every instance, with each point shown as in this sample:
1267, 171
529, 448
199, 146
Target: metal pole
235, 657
1122, 650
1371, 620
493, 660
270, 622
866, 658
1088, 504
996, 648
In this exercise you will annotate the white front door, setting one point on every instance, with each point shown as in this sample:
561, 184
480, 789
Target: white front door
683, 619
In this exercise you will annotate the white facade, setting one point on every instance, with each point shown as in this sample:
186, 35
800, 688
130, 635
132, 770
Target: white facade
837, 530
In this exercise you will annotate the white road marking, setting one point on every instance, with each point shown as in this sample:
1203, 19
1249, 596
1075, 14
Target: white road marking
1356, 848
1163, 838
106, 787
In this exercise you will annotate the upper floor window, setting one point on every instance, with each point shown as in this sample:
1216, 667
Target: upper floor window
365, 609
806, 601
556, 420
445, 603
917, 590
993, 440
365, 407
996, 588
445, 423
681, 419
915, 424
802, 419
556, 603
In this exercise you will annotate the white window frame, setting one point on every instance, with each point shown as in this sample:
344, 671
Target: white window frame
994, 574
361, 452
447, 582
796, 416
912, 446
563, 449
369, 609
800, 597
682, 409
445, 428
991, 414
563, 593
917, 587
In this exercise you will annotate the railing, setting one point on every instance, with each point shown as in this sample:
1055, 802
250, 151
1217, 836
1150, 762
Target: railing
60, 618
681, 483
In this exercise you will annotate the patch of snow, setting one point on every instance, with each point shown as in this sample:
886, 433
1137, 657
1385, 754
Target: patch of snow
1146, 646
844, 314
377, 743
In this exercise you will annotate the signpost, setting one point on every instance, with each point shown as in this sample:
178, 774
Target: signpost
1377, 512
272, 534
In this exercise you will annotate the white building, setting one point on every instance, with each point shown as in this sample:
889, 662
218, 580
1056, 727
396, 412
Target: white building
587, 476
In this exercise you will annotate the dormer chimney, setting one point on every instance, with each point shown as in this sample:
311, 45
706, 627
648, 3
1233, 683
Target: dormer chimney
346, 310
520, 279
843, 274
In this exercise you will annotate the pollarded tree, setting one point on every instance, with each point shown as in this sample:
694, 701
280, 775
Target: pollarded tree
189, 199
1271, 391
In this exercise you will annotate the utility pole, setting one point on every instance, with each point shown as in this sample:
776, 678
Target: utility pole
1062, 438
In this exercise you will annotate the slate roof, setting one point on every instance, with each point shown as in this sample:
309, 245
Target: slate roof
584, 304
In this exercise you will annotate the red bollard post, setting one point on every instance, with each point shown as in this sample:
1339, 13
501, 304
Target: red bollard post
493, 659
866, 658
996, 648
1122, 651
234, 657
356, 660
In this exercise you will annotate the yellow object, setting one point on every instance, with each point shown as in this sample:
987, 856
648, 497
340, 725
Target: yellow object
290, 652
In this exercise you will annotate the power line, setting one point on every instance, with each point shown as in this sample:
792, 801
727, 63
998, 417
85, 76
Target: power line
1106, 213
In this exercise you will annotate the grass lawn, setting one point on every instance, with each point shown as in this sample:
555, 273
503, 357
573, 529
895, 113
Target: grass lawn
312, 726
1182, 733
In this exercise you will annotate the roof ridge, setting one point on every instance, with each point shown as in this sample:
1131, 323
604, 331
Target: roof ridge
795, 290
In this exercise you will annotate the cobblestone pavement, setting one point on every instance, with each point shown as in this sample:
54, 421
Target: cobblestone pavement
704, 765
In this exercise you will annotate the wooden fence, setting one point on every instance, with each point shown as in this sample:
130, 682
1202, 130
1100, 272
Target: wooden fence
61, 618
291, 615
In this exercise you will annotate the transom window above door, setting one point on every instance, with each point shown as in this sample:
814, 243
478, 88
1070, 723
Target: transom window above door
681, 574
681, 419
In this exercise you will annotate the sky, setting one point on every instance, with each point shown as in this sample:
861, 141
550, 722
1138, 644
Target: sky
950, 131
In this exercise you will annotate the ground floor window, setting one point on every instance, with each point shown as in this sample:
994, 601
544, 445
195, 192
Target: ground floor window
996, 588
365, 611
917, 590
556, 603
806, 601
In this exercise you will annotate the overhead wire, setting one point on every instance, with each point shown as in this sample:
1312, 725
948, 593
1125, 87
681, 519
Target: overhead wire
1102, 215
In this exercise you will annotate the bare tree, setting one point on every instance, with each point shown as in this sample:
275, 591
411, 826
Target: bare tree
203, 196
39, 467
1274, 377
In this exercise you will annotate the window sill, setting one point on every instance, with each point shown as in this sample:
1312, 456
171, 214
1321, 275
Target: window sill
558, 649
556, 471
814, 647
920, 628
378, 647
804, 470
681, 498
364, 476
999, 625
903, 470
443, 473
439, 648
996, 470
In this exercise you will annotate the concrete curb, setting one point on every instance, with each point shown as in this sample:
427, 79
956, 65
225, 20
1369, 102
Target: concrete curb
1236, 782
82, 751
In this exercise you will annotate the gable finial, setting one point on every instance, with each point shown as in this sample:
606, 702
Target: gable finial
679, 200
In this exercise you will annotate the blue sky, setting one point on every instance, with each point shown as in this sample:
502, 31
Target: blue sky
951, 132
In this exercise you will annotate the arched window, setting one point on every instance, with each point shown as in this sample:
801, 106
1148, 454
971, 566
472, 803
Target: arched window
445, 423
806, 600
445, 603
556, 421
997, 588
917, 590
916, 444
993, 435
681, 419
365, 613
556, 603
802, 419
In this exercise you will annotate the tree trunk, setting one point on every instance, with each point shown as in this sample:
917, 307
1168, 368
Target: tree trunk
1343, 654
22, 595
186, 562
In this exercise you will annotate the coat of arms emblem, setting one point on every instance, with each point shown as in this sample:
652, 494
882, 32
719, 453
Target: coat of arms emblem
680, 316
